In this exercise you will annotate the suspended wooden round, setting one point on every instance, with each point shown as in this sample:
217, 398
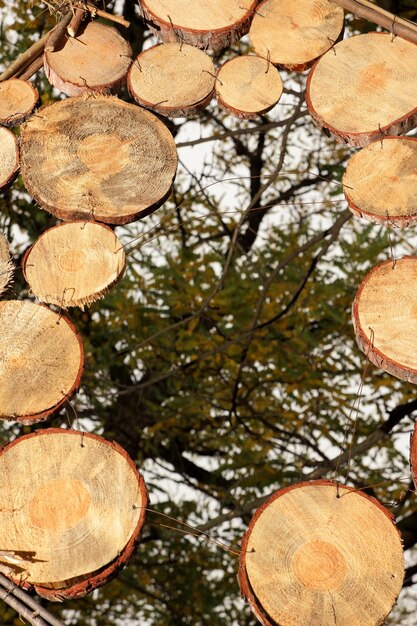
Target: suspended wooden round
380, 182
172, 79
73, 506
97, 59
208, 24
97, 158
6, 265
74, 264
41, 361
248, 86
18, 98
365, 88
294, 33
321, 555
9, 157
384, 317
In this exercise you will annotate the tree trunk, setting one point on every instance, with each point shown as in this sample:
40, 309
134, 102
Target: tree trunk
18, 98
9, 157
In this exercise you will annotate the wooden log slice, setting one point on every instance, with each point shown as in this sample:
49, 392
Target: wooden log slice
248, 86
205, 24
172, 79
294, 33
365, 88
97, 158
384, 317
74, 264
72, 509
6, 265
97, 59
9, 157
41, 361
311, 557
380, 182
18, 98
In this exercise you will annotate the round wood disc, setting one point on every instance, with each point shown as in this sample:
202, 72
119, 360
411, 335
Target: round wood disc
9, 157
172, 79
74, 264
380, 182
6, 265
73, 506
18, 98
97, 59
97, 158
248, 86
365, 88
384, 317
311, 557
208, 24
294, 33
41, 361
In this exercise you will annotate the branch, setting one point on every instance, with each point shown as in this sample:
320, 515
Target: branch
25, 605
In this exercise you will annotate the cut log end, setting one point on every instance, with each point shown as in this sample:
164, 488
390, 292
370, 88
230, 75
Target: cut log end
18, 99
9, 157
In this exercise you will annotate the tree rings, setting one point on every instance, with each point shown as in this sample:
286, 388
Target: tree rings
18, 98
293, 34
321, 554
211, 24
97, 158
73, 506
365, 88
74, 264
9, 157
172, 79
41, 362
384, 317
97, 59
380, 182
248, 86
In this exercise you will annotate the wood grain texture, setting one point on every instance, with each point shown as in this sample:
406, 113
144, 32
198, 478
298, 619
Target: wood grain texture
206, 24
41, 363
74, 264
97, 158
97, 60
248, 86
365, 89
173, 79
380, 182
9, 157
311, 557
73, 506
293, 34
18, 98
384, 317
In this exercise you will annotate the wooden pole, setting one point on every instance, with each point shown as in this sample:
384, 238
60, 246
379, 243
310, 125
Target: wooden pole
26, 606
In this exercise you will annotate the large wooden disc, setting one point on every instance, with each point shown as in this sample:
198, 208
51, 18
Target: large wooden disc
205, 24
9, 157
18, 98
294, 33
97, 158
6, 265
311, 557
384, 317
72, 509
97, 59
172, 79
365, 88
41, 361
248, 86
74, 264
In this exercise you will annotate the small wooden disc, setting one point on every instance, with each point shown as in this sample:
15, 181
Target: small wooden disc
380, 182
248, 86
97, 59
9, 157
73, 506
294, 33
207, 24
97, 158
172, 79
6, 265
321, 554
365, 88
18, 98
41, 362
384, 317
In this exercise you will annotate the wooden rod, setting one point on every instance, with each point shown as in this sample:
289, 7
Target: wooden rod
26, 599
